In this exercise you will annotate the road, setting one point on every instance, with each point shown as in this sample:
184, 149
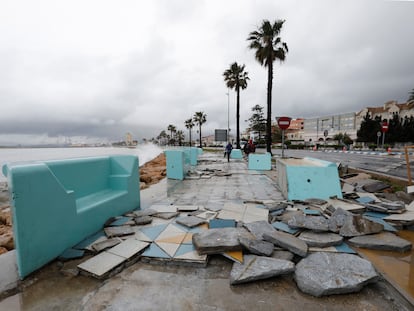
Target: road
389, 164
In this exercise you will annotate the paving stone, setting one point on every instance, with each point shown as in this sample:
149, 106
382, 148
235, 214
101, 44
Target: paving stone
287, 241
322, 274
284, 227
375, 186
145, 212
383, 241
320, 239
143, 220
256, 268
257, 247
187, 208
190, 221
282, 254
314, 223
167, 215
338, 219
357, 225
258, 228
100, 246
128, 248
216, 241
100, 265
118, 231
221, 223
393, 206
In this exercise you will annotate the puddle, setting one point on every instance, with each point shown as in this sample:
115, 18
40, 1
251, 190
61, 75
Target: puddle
397, 268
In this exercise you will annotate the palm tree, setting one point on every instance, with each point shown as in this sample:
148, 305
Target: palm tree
411, 97
180, 137
172, 130
269, 47
200, 118
189, 124
236, 78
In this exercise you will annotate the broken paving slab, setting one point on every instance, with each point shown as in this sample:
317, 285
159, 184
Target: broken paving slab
382, 241
261, 248
282, 254
357, 225
143, 220
145, 212
320, 239
128, 248
375, 186
100, 246
256, 268
258, 228
322, 274
101, 265
168, 215
287, 241
314, 223
190, 221
188, 208
216, 241
281, 226
221, 223
118, 231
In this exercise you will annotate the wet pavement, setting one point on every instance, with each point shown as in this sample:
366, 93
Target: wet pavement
144, 286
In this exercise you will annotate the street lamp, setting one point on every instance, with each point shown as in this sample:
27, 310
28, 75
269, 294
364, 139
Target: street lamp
228, 116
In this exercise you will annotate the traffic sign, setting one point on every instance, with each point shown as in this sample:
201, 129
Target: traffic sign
283, 122
384, 127
378, 134
325, 133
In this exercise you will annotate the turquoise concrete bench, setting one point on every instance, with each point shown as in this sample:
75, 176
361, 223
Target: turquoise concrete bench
260, 161
236, 154
56, 204
179, 161
304, 178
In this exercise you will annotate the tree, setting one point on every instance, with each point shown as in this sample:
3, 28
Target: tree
257, 122
180, 137
411, 95
189, 124
236, 78
162, 137
172, 130
200, 118
269, 47
369, 128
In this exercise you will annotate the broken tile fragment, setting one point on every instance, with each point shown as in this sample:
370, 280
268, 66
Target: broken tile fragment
100, 265
314, 223
258, 268
322, 274
357, 225
375, 186
382, 241
216, 241
118, 231
258, 228
168, 215
221, 223
281, 226
257, 247
287, 241
187, 208
143, 220
100, 246
320, 239
128, 248
145, 212
190, 221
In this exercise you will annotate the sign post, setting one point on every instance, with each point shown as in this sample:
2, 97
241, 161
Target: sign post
325, 134
283, 123
378, 136
384, 129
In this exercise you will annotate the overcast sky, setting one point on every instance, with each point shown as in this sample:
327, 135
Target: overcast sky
94, 70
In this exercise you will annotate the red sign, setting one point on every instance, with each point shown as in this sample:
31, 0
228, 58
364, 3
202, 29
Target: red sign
384, 127
283, 122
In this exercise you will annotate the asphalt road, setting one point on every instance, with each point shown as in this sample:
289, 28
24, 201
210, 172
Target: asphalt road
383, 163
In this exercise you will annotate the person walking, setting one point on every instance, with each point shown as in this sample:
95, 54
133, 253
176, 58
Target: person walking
229, 148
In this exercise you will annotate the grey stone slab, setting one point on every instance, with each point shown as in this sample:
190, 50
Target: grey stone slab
393, 206
118, 231
320, 239
190, 221
216, 241
145, 212
376, 186
287, 241
100, 246
101, 264
323, 273
383, 241
256, 268
257, 247
258, 228
314, 223
167, 215
143, 220
357, 225
281, 254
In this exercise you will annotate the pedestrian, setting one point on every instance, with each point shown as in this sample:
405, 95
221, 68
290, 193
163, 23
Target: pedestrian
229, 148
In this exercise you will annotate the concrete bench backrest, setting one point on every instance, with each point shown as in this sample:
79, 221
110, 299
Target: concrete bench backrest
45, 195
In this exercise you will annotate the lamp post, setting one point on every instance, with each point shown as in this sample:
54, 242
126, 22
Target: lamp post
228, 117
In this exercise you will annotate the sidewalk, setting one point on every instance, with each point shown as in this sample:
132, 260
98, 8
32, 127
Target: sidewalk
166, 286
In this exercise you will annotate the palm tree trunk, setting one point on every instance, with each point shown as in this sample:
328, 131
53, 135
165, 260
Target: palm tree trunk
238, 118
200, 136
190, 137
269, 108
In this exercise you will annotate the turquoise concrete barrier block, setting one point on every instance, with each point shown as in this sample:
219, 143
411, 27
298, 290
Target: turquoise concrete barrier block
200, 151
236, 154
260, 161
175, 162
301, 179
194, 155
56, 204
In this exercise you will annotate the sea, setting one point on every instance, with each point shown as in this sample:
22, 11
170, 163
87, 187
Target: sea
144, 152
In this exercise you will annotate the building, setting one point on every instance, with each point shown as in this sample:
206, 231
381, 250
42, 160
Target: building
295, 132
326, 127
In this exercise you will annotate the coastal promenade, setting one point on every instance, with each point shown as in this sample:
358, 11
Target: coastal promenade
160, 286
